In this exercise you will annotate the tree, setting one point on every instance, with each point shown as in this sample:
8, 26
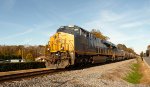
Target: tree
130, 50
19, 53
29, 57
122, 47
148, 47
98, 34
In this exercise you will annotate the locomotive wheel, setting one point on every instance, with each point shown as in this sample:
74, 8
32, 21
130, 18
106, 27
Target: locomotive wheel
81, 62
108, 59
64, 55
113, 58
91, 60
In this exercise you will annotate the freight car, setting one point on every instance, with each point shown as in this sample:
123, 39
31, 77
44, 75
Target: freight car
74, 46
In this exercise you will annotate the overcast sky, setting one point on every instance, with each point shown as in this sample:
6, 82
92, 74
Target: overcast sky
34, 21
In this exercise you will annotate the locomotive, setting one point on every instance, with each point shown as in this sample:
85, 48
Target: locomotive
75, 46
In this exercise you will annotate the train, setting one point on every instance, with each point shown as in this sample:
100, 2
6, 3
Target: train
74, 46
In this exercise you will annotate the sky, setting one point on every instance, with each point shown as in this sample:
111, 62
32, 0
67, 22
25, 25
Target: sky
32, 22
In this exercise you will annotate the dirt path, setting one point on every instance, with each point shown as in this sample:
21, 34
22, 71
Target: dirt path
146, 73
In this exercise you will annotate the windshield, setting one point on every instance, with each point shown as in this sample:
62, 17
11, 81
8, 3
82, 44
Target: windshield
70, 30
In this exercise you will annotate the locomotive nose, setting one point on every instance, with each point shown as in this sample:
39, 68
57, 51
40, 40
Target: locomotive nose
56, 43
59, 48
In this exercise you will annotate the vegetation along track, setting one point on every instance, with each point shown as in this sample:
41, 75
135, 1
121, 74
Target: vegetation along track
26, 73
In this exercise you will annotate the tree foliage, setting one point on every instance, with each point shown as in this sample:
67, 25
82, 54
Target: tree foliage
29, 57
98, 34
122, 47
20, 51
125, 48
148, 47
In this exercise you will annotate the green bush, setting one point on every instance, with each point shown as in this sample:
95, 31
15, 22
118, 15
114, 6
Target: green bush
21, 66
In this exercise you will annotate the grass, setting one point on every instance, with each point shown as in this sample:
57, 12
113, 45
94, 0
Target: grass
134, 76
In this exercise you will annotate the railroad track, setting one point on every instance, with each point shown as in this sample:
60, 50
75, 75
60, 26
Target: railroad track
33, 72
25, 73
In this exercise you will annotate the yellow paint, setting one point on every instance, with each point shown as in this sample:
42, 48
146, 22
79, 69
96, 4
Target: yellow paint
61, 42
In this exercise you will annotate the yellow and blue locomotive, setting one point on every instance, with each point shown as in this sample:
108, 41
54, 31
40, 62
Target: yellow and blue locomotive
73, 45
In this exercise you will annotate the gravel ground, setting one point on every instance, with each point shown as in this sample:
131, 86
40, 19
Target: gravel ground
108, 75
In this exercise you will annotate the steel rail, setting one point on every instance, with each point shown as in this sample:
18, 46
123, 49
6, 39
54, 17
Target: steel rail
33, 72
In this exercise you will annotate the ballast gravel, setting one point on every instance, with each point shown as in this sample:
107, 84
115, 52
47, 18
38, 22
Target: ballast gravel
108, 75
